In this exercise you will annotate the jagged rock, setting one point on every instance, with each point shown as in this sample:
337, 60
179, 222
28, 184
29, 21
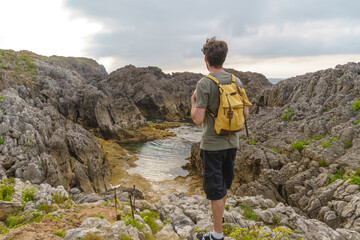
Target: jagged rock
6, 208
167, 232
323, 120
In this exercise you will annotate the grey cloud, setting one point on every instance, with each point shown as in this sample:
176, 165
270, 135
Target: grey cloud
161, 32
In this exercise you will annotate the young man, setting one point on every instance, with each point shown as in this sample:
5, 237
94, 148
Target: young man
217, 151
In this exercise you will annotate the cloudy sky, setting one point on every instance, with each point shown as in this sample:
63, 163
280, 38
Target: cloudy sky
279, 38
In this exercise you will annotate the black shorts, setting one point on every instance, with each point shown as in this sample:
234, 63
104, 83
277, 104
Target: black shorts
218, 172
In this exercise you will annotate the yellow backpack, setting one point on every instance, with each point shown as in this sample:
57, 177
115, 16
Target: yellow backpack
230, 116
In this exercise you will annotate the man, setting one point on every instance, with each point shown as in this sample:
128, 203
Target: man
217, 151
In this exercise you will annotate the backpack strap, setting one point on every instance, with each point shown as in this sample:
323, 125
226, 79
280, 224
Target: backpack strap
219, 85
233, 78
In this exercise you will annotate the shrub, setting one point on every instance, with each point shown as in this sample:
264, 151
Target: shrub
13, 221
227, 207
299, 145
45, 207
249, 213
348, 144
323, 163
276, 150
122, 237
49, 216
356, 105
7, 181
6, 191
319, 137
28, 194
276, 219
59, 233
256, 232
37, 217
3, 230
287, 116
338, 175
355, 180
58, 198
149, 218
328, 144
227, 230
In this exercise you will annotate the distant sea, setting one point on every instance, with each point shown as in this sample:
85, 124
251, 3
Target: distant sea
275, 80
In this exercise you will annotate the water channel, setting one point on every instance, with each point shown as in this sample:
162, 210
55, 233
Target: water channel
162, 160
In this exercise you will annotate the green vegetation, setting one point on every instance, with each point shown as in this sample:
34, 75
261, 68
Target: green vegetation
37, 217
256, 232
128, 220
122, 237
348, 144
98, 216
319, 137
109, 201
333, 119
49, 216
288, 114
357, 122
59, 233
149, 218
45, 207
2, 141
338, 175
276, 219
6, 191
3, 230
249, 213
356, 105
252, 142
30, 140
323, 163
328, 144
15, 221
58, 198
28, 194
299, 145
227, 207
276, 150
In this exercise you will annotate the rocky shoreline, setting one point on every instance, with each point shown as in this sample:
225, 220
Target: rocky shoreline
298, 175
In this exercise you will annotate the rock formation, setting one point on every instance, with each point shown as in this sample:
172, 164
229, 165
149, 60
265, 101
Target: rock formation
304, 136
47, 102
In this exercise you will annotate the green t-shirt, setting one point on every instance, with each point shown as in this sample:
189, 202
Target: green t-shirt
207, 96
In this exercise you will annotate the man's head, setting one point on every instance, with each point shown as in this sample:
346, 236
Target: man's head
215, 52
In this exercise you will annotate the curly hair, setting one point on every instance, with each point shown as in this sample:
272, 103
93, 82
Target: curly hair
215, 52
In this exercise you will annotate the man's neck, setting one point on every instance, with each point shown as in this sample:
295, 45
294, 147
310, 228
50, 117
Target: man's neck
212, 69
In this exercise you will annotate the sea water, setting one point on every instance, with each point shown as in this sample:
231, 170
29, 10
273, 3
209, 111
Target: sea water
161, 160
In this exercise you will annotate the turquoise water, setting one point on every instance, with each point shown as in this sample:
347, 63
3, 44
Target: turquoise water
162, 159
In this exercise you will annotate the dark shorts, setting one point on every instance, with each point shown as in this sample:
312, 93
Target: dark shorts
218, 172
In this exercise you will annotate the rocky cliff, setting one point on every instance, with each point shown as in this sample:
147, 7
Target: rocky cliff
305, 146
49, 104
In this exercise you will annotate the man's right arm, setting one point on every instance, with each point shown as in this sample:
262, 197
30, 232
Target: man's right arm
197, 114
